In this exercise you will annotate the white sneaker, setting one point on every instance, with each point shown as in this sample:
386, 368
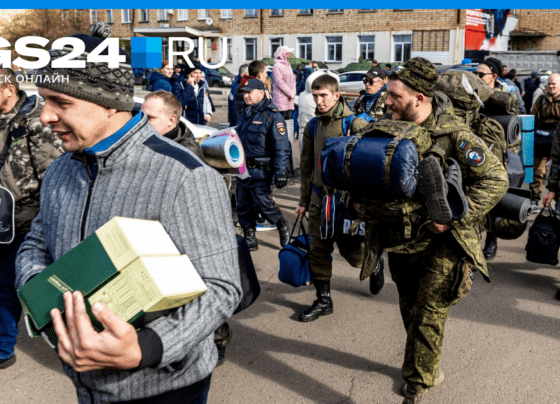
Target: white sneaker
265, 226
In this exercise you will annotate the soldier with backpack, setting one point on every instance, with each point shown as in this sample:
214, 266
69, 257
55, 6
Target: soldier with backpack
431, 260
334, 119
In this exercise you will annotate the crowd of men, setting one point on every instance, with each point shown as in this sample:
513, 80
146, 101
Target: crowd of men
95, 145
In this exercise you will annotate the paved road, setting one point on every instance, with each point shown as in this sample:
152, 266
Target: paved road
502, 341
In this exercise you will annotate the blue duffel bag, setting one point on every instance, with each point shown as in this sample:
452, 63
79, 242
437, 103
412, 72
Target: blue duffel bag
377, 164
294, 258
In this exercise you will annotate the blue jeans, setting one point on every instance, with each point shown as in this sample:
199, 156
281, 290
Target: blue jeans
10, 309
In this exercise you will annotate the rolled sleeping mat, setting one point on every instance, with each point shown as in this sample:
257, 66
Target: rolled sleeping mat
513, 207
370, 166
511, 125
527, 145
223, 150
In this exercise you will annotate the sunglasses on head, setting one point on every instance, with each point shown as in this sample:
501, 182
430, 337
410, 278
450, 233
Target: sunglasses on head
481, 74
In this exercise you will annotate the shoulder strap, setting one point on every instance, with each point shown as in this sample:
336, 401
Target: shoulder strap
347, 123
313, 128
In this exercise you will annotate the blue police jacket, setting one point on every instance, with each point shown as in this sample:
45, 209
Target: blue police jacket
264, 136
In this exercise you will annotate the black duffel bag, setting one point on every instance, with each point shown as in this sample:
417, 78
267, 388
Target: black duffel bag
542, 243
249, 280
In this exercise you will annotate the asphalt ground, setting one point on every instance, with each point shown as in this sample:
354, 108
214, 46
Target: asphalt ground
502, 341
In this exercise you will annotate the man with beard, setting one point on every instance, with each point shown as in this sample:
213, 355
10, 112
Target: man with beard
432, 262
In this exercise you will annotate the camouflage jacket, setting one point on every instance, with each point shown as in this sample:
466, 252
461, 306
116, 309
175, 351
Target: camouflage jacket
377, 110
546, 110
329, 125
484, 179
32, 148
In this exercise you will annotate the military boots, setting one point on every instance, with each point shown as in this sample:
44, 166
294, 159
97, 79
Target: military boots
320, 307
490, 246
284, 231
250, 238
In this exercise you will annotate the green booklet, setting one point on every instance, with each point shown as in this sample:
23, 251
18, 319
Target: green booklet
130, 265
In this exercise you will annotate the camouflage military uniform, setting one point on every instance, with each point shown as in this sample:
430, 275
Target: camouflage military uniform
27, 148
33, 147
427, 267
377, 110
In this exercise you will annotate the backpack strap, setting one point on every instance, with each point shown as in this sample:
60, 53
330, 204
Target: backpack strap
346, 124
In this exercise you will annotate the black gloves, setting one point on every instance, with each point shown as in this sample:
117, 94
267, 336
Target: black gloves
281, 180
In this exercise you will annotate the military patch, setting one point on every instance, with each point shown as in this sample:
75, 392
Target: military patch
464, 145
475, 157
281, 128
257, 122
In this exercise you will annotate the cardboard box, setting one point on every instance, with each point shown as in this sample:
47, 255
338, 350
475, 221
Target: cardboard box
130, 265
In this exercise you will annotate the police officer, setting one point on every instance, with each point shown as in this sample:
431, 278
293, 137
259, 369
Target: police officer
432, 263
263, 134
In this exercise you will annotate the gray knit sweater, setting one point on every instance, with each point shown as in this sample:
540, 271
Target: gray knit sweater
144, 175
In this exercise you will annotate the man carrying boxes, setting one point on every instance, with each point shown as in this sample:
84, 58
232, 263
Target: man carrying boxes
117, 165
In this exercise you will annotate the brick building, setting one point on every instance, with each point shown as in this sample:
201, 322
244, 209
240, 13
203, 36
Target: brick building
334, 36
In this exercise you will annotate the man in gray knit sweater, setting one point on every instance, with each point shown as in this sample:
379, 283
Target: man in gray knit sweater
117, 165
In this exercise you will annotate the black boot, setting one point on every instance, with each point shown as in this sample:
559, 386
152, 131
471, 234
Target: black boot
377, 278
250, 238
284, 231
322, 306
491, 246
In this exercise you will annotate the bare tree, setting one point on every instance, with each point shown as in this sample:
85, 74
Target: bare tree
50, 24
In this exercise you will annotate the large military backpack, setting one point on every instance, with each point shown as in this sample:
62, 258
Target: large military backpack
379, 162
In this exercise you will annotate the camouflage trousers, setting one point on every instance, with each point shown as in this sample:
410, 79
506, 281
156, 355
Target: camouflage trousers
425, 285
320, 261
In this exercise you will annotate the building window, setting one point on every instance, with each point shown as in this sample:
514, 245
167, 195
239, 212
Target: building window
250, 48
367, 10
278, 12
183, 14
125, 14
251, 12
227, 13
430, 41
203, 14
109, 15
335, 10
305, 50
305, 11
275, 43
144, 15
65, 14
161, 14
334, 49
366, 47
402, 45
93, 16
229, 51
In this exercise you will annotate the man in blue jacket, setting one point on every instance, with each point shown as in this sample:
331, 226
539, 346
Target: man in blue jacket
263, 134
232, 115
192, 96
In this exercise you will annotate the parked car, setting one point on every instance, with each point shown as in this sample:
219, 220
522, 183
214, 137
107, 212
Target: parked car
220, 77
352, 82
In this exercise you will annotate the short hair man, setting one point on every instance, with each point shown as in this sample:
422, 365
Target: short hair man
372, 100
22, 139
192, 95
373, 63
163, 110
262, 131
232, 103
117, 165
315, 66
331, 113
427, 269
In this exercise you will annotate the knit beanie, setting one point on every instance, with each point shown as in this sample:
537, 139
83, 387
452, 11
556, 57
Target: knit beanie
97, 83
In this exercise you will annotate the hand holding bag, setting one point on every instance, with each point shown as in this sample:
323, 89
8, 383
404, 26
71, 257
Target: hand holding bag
294, 258
542, 243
